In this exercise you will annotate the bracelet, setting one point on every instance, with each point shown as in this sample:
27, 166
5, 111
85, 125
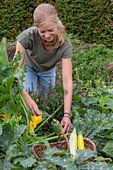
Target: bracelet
67, 114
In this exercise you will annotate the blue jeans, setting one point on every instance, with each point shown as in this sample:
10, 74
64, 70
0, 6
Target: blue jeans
39, 79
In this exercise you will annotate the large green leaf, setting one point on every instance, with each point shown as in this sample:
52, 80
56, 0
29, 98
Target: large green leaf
91, 123
41, 166
9, 136
64, 162
8, 81
25, 162
21, 155
95, 166
15, 151
28, 162
3, 89
85, 154
89, 100
4, 164
26, 150
8, 108
109, 103
3, 53
94, 125
108, 149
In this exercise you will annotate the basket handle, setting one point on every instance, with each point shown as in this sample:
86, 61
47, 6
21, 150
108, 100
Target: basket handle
66, 140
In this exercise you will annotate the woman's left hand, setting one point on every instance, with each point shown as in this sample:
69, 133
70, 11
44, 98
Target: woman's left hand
66, 122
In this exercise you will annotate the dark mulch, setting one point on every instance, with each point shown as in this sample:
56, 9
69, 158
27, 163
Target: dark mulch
10, 52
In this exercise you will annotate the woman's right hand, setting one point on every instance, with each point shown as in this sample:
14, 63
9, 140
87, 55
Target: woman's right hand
30, 103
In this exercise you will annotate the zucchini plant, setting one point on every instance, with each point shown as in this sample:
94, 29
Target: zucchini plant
10, 87
16, 144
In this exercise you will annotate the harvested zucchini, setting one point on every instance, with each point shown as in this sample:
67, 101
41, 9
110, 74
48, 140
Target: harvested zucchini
56, 126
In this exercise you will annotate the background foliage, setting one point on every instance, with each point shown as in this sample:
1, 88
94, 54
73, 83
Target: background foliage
93, 63
87, 20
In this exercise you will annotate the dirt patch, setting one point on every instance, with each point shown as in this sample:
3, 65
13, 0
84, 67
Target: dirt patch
10, 52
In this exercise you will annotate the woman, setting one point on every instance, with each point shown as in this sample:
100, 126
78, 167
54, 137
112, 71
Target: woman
44, 45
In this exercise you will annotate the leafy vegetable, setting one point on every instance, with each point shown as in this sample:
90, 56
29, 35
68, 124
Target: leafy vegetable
108, 149
94, 126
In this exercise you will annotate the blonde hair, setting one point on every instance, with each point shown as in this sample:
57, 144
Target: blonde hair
47, 11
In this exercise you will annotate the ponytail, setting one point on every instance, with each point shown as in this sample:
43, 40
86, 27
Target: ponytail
61, 35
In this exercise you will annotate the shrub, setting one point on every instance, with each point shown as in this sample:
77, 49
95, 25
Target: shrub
87, 20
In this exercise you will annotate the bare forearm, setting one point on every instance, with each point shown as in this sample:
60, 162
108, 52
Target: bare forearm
67, 98
67, 86
25, 94
20, 48
30, 103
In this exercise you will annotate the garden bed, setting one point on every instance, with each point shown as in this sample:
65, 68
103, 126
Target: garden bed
91, 113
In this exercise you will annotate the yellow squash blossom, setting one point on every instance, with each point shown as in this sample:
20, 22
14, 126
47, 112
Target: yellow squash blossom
20, 117
36, 120
31, 127
5, 116
33, 123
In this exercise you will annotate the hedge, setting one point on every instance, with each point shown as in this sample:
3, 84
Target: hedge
85, 19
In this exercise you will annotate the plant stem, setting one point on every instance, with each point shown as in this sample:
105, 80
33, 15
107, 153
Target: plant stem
11, 96
50, 135
56, 137
49, 139
24, 108
47, 119
18, 144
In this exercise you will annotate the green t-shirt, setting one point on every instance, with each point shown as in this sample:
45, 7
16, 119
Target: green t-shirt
36, 56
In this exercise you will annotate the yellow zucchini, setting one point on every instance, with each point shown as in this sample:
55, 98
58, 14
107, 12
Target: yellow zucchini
80, 141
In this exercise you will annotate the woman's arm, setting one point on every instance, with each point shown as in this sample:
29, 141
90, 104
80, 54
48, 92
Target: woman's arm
68, 88
30, 103
20, 48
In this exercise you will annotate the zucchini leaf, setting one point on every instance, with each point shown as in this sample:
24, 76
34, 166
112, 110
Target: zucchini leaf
22, 155
94, 126
7, 138
4, 164
10, 87
8, 108
42, 166
108, 149
95, 166
109, 103
10, 136
89, 100
85, 154
26, 162
64, 162
16, 151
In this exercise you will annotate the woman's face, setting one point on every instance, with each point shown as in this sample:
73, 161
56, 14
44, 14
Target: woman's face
48, 31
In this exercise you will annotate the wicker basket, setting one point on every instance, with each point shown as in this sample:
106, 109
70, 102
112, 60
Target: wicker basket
89, 144
61, 145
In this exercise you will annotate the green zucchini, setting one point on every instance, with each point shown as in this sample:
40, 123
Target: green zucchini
56, 126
